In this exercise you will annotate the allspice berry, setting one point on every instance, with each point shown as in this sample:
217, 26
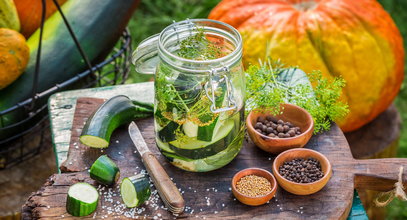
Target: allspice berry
273, 128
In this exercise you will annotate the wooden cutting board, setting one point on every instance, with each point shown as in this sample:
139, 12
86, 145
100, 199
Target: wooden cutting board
208, 195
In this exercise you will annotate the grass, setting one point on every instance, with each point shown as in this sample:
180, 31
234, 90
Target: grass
152, 16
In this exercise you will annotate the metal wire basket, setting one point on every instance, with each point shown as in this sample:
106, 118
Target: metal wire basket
33, 131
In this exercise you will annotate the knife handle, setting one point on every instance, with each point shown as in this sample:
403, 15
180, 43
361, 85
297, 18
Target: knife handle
166, 188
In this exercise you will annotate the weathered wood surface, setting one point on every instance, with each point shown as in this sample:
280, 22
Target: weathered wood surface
332, 202
379, 138
81, 157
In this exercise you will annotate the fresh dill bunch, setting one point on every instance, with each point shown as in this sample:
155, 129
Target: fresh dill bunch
198, 47
270, 84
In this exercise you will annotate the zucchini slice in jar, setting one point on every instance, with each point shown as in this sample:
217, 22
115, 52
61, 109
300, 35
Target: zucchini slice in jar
196, 149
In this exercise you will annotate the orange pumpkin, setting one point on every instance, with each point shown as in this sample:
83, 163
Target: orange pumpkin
356, 39
30, 11
14, 54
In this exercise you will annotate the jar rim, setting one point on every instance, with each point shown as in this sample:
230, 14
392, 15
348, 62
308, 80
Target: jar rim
230, 56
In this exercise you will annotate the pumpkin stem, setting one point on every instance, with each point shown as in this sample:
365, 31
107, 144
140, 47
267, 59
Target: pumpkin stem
305, 5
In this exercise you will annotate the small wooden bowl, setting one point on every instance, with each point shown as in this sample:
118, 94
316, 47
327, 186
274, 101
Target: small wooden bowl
254, 201
291, 113
302, 188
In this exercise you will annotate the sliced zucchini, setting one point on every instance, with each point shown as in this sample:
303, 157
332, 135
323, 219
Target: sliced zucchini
190, 129
209, 163
105, 171
135, 190
167, 134
205, 133
114, 112
82, 199
163, 146
196, 149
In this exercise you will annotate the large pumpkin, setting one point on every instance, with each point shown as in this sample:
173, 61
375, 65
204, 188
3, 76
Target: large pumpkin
14, 54
356, 39
30, 11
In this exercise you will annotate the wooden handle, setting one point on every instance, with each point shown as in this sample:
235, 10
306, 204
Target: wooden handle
379, 174
166, 188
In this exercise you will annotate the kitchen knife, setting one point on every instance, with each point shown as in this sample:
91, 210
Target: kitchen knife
168, 192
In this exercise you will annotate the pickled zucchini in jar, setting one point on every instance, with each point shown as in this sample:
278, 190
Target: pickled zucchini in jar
199, 95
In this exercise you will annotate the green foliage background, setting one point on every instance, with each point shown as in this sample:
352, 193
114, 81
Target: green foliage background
152, 16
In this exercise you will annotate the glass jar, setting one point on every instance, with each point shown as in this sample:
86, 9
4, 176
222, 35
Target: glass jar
199, 103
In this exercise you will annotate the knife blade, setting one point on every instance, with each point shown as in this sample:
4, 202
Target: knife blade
167, 190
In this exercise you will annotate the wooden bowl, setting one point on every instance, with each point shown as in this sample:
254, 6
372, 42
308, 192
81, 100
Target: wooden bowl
259, 200
291, 113
302, 188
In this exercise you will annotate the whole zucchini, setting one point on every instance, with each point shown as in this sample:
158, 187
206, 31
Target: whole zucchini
97, 25
116, 111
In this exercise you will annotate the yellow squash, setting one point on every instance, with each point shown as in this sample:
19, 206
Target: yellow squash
14, 54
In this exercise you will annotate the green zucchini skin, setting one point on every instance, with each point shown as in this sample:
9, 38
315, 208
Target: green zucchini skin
79, 208
146, 105
207, 151
97, 26
167, 134
141, 186
104, 171
114, 112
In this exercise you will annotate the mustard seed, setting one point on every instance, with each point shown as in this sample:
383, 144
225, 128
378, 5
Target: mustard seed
253, 186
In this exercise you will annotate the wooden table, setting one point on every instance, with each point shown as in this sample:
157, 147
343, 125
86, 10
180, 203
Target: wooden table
62, 107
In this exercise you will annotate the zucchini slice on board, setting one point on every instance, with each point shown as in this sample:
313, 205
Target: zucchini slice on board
82, 199
105, 171
114, 112
135, 190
